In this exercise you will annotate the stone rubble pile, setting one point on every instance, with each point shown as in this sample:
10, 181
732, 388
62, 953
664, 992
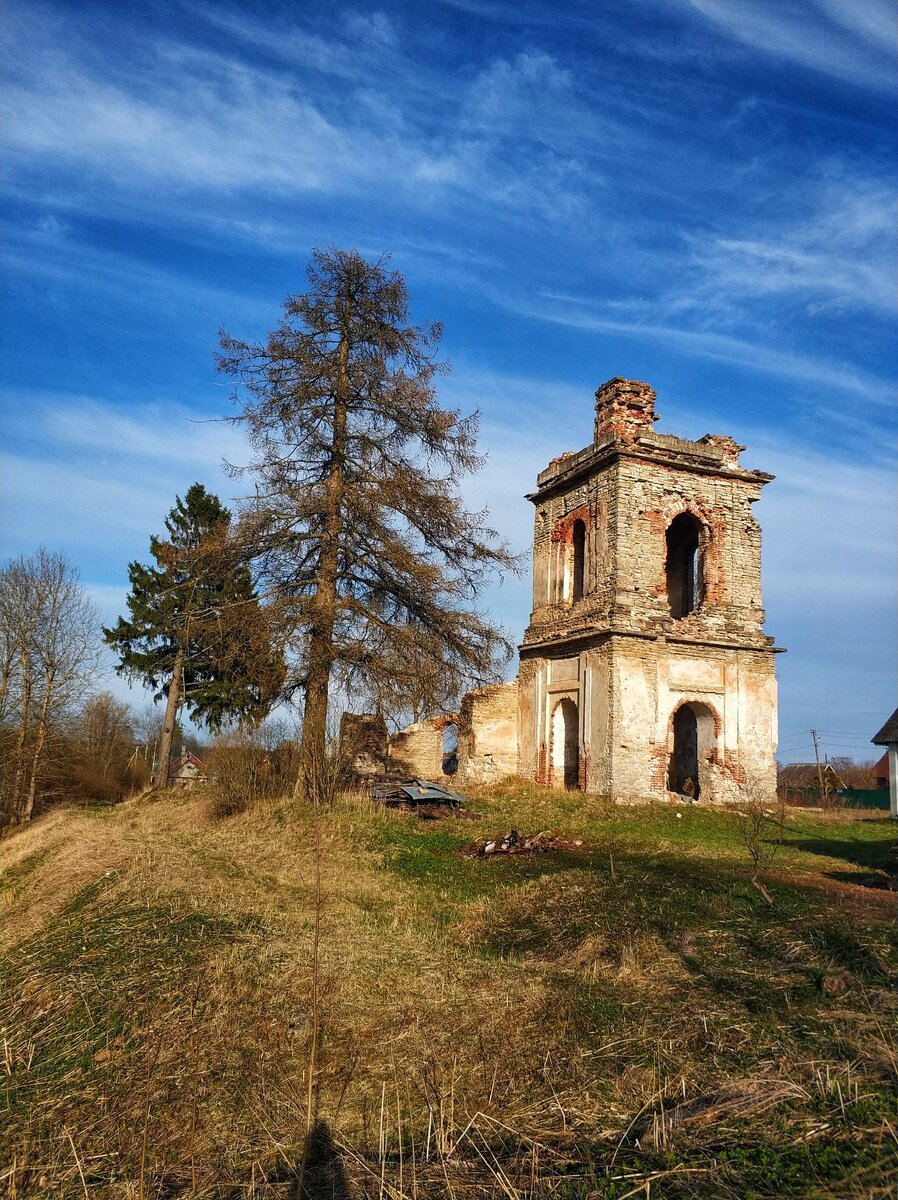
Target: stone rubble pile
516, 843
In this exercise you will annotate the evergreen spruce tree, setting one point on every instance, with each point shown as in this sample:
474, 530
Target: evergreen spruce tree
357, 524
196, 633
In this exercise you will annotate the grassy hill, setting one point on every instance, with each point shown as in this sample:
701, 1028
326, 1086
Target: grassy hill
626, 1018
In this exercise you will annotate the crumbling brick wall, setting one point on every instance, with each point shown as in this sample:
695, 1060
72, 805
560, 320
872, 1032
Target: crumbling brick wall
363, 743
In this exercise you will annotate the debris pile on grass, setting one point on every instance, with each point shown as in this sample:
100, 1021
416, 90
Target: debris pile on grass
516, 843
417, 795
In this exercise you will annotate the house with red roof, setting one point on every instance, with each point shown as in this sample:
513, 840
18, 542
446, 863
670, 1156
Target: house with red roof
186, 770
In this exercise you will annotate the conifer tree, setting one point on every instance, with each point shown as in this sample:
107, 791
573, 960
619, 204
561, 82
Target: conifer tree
196, 633
357, 521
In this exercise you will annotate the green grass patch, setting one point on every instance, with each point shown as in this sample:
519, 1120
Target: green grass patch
13, 877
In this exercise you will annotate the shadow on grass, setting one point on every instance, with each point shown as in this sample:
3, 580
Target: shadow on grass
325, 1178
706, 915
867, 879
873, 853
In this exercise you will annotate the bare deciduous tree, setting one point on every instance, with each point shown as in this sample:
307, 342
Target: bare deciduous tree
50, 651
107, 731
413, 679
761, 825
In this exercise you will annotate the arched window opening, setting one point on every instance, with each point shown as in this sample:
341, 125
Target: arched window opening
579, 539
685, 584
566, 745
450, 749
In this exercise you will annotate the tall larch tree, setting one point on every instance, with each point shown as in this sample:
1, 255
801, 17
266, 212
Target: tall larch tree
357, 522
196, 633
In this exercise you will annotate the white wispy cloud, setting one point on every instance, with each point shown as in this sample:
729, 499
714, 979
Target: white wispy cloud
162, 433
210, 123
46, 500
178, 118
850, 40
95, 481
719, 347
357, 42
833, 248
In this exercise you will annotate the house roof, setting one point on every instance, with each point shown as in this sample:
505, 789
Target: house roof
184, 760
805, 774
888, 733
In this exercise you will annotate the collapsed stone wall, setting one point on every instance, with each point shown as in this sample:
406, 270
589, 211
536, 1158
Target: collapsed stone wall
487, 739
364, 743
488, 733
417, 750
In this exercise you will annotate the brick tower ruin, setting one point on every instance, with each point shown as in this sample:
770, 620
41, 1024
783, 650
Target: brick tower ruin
645, 669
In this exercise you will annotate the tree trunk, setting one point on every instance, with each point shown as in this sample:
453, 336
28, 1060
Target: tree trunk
313, 743
15, 797
39, 741
6, 672
160, 779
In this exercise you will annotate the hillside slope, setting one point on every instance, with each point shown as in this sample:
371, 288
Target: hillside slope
626, 1017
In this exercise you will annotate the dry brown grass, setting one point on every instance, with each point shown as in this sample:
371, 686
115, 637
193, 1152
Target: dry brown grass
240, 1012
477, 1039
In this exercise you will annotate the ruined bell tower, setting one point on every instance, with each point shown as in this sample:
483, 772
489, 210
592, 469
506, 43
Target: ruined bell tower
645, 670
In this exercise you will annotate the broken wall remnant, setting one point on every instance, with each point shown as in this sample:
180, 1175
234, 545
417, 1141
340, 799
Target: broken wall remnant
488, 733
363, 743
645, 669
417, 751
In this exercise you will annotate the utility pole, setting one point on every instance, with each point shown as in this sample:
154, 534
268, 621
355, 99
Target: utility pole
819, 769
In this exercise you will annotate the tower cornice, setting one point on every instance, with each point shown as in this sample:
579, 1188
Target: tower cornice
699, 458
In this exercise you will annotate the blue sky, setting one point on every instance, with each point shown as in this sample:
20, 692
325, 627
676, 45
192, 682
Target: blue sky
697, 193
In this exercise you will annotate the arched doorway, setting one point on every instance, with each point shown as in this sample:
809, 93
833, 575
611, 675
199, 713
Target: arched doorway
694, 740
683, 568
566, 744
683, 771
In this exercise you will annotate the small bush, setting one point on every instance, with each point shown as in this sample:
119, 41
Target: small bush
248, 766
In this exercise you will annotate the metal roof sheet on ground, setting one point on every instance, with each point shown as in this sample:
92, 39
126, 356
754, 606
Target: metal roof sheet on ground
417, 791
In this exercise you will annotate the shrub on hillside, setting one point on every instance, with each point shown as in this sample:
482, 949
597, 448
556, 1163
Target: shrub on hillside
250, 765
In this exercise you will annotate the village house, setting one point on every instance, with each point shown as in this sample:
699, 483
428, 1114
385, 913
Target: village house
888, 736
186, 770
